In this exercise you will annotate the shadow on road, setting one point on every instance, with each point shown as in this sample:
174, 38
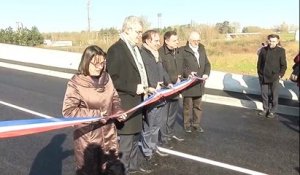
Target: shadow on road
291, 122
49, 160
232, 84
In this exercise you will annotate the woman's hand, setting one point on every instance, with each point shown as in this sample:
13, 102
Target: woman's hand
103, 121
103, 116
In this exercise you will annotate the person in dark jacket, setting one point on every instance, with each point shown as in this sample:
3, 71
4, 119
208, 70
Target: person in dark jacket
195, 63
157, 78
127, 70
168, 54
91, 93
271, 67
295, 74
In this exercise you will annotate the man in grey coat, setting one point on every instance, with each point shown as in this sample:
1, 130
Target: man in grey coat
195, 63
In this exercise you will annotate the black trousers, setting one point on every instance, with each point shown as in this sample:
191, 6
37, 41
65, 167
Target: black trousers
168, 123
130, 151
269, 94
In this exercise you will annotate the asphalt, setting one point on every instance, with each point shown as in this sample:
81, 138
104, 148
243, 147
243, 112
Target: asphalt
235, 139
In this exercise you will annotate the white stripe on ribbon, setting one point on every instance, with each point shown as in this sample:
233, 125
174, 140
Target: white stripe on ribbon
24, 127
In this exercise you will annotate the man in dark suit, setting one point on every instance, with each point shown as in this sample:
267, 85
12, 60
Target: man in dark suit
126, 68
271, 66
157, 78
194, 63
168, 54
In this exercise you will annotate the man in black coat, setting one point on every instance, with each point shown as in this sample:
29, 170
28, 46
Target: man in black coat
168, 54
195, 63
126, 68
157, 77
271, 66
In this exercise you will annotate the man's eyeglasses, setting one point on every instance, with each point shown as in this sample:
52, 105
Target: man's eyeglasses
137, 31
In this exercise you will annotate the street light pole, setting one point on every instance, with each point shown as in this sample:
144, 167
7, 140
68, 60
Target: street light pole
158, 20
88, 13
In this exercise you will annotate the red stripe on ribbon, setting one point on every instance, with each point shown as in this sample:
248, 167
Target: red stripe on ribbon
14, 130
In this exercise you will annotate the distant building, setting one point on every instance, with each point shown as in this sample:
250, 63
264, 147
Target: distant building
57, 43
230, 36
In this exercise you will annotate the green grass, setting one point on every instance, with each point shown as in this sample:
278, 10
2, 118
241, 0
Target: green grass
235, 56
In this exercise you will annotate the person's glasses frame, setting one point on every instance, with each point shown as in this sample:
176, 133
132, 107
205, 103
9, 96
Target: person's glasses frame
97, 63
137, 31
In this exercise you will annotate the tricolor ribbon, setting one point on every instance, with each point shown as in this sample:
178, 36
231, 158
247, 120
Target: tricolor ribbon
16, 128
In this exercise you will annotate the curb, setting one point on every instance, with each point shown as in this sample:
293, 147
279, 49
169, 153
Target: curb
229, 101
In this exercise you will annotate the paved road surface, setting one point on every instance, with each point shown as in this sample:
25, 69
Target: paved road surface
234, 136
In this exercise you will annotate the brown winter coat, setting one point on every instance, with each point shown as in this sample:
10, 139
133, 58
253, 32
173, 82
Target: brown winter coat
85, 97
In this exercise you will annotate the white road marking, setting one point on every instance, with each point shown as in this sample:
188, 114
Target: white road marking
211, 162
249, 104
25, 110
37, 70
177, 153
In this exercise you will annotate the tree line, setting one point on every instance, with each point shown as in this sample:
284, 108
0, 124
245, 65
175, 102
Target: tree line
25, 37
22, 36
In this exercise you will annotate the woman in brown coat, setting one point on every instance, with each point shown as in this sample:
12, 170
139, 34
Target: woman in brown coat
91, 93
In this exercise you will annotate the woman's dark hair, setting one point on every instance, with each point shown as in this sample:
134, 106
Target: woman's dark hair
87, 56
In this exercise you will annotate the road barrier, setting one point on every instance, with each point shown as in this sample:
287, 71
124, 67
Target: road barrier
68, 60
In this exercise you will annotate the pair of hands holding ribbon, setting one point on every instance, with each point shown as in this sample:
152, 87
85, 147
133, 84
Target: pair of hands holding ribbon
120, 117
194, 74
150, 90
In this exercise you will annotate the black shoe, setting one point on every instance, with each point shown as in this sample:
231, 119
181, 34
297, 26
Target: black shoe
177, 138
141, 171
262, 114
150, 161
161, 154
148, 158
167, 145
188, 130
199, 129
270, 115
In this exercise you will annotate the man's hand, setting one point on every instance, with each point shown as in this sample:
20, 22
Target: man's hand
178, 78
159, 85
294, 77
193, 74
140, 89
205, 76
170, 85
149, 90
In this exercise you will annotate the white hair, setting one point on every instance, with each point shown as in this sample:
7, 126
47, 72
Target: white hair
194, 35
130, 21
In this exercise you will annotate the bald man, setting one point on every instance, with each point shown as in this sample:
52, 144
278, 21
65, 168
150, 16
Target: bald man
195, 63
